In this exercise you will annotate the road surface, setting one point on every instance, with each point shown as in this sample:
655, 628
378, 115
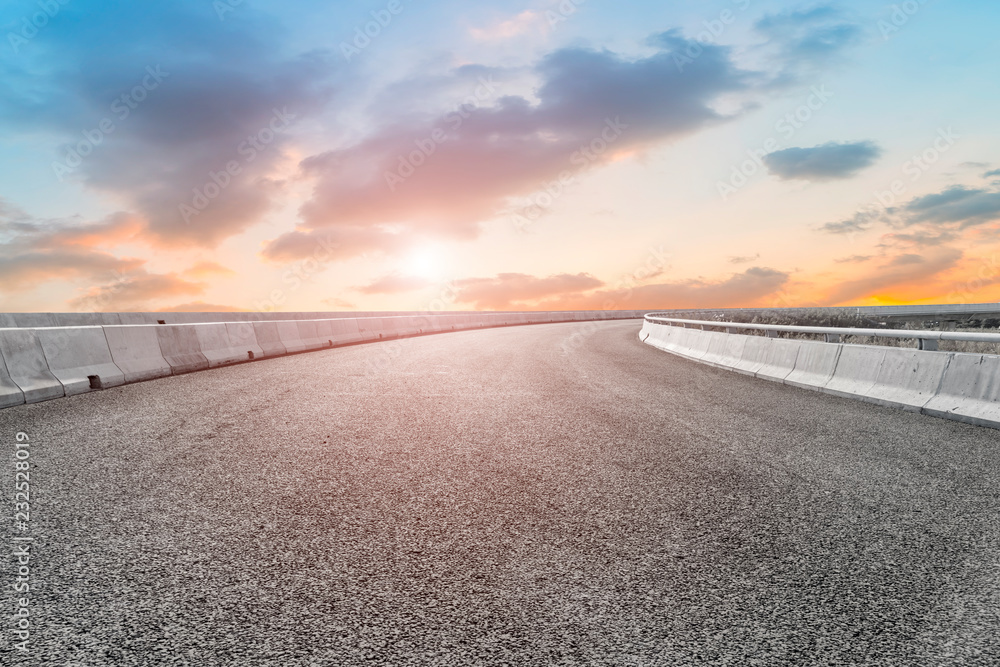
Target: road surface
543, 495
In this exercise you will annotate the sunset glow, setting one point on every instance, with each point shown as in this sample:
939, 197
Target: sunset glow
531, 154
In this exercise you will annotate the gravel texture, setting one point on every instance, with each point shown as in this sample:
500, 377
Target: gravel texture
544, 495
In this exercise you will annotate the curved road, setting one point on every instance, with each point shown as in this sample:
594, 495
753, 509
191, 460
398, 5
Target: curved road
544, 495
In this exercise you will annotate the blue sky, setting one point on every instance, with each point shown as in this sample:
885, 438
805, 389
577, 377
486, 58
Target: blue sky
507, 155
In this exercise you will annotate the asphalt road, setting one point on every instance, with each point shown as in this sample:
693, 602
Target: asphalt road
501, 497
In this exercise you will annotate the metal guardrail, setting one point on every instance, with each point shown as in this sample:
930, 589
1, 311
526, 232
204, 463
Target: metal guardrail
942, 312
927, 340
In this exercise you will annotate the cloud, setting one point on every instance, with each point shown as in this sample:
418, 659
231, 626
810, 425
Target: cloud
445, 175
201, 307
744, 260
584, 292
992, 173
333, 244
35, 251
859, 222
199, 94
957, 205
206, 269
805, 38
512, 27
339, 303
907, 259
741, 289
135, 291
512, 290
855, 259
919, 239
902, 272
826, 162
394, 283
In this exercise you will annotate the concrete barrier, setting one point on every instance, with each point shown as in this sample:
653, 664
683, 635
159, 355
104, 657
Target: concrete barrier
216, 345
857, 370
370, 328
135, 349
10, 393
344, 331
779, 359
964, 387
25, 359
754, 355
909, 378
309, 335
181, 348
692, 343
243, 337
291, 336
969, 391
724, 350
79, 357
269, 339
814, 365
101, 350
35, 320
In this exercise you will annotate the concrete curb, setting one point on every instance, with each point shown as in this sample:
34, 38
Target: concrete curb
951, 385
102, 350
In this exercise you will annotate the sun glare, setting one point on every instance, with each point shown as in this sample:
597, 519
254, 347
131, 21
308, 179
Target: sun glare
425, 263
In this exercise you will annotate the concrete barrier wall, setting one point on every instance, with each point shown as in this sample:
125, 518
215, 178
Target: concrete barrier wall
35, 320
80, 358
41, 359
953, 385
815, 364
25, 361
181, 348
975, 402
135, 349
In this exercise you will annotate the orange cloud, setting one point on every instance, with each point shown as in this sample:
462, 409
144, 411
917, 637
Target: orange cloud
208, 268
134, 292
201, 307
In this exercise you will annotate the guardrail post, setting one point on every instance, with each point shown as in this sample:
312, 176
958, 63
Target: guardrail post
928, 344
732, 330
771, 334
832, 338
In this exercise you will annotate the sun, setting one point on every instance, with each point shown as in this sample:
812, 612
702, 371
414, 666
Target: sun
426, 262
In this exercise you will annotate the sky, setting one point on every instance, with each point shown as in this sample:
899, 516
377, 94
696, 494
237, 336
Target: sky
511, 155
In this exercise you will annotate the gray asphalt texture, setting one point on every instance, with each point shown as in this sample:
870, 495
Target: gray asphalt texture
544, 495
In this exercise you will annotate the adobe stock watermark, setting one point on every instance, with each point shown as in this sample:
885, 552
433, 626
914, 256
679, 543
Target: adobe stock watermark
31, 25
223, 7
389, 352
248, 149
914, 168
562, 12
899, 17
299, 273
534, 206
657, 261
121, 107
365, 33
988, 274
424, 148
786, 126
713, 30
21, 547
